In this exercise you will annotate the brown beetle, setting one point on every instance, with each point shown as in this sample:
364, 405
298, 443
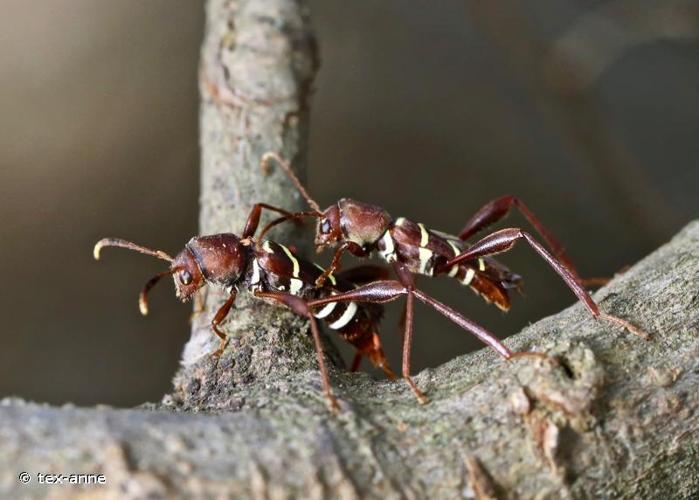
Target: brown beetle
412, 248
270, 271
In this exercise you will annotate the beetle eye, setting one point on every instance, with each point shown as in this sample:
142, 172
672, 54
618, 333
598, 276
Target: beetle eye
325, 226
185, 277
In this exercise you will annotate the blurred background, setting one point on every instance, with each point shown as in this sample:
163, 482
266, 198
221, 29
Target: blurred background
587, 110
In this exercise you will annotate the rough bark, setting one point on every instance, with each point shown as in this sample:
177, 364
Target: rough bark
258, 63
616, 418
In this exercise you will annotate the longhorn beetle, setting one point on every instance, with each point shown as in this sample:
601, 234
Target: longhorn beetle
269, 271
272, 271
411, 248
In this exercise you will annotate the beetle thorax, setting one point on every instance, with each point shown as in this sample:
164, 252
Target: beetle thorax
362, 223
221, 258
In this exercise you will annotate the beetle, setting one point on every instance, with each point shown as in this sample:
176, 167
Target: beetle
346, 303
411, 248
269, 271
349, 302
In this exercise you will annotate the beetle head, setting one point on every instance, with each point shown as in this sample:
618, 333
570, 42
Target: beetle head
328, 229
186, 274
217, 259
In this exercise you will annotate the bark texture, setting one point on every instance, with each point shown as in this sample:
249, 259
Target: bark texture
617, 418
258, 63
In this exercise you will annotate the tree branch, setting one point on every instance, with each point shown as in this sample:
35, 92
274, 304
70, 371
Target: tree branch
258, 63
617, 418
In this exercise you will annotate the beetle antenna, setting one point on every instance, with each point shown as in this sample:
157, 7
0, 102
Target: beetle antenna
143, 296
118, 242
287, 168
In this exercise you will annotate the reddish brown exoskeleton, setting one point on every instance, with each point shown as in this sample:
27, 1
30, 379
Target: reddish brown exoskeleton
411, 248
270, 271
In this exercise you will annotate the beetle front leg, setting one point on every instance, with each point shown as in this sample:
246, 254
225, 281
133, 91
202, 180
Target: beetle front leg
353, 248
218, 319
334, 265
253, 220
294, 216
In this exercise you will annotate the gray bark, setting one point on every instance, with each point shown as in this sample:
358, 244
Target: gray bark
616, 418
258, 63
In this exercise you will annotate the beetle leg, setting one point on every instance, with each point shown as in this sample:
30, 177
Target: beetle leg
300, 307
218, 319
504, 239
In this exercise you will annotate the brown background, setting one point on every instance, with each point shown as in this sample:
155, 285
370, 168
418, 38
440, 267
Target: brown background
418, 107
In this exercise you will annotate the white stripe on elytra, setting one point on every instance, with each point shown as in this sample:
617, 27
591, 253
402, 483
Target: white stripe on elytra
267, 247
345, 318
425, 254
294, 261
400, 221
295, 285
455, 268
481, 265
327, 309
470, 273
255, 279
389, 251
424, 235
